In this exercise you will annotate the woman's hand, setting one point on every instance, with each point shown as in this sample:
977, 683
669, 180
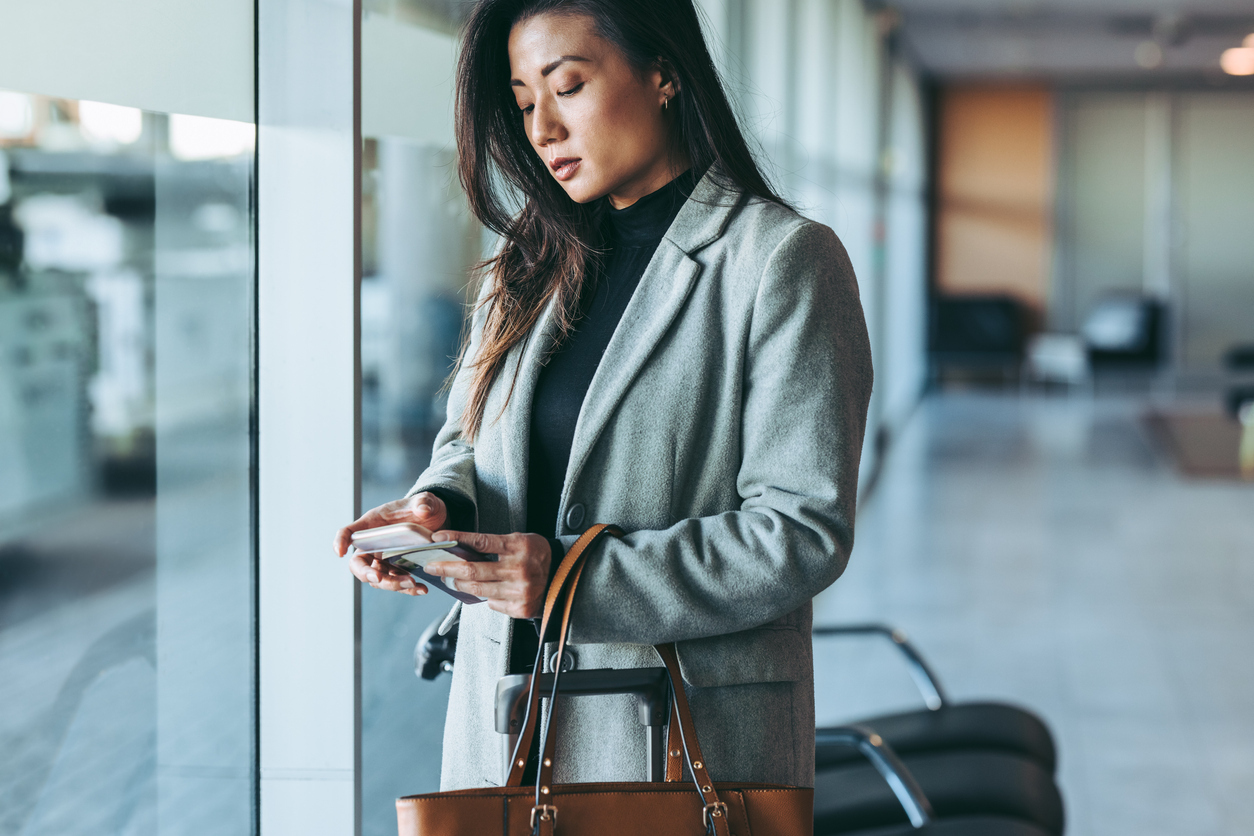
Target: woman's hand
515, 584
424, 508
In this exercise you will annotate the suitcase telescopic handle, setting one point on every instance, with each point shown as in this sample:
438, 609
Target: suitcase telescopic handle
650, 687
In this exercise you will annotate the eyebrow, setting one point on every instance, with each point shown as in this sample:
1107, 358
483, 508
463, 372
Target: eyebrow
550, 67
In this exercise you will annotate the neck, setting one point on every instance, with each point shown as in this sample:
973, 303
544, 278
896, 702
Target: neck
658, 176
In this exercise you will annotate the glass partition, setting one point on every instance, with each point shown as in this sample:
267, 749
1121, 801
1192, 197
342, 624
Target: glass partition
419, 243
126, 544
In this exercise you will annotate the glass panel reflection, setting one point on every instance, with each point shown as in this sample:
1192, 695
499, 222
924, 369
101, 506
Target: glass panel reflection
419, 243
419, 250
126, 566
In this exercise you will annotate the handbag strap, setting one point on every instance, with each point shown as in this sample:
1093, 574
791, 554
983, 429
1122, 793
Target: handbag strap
714, 812
674, 752
572, 559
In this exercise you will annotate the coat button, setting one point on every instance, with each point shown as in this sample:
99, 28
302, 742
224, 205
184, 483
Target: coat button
568, 661
574, 517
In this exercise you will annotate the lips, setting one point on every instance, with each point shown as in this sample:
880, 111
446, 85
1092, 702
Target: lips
564, 168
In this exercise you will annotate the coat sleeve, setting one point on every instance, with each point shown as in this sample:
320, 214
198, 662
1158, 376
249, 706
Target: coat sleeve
807, 384
452, 468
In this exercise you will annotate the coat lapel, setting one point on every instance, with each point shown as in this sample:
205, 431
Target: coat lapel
661, 293
663, 289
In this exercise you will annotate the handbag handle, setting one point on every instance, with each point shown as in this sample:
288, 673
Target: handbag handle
569, 568
518, 760
566, 581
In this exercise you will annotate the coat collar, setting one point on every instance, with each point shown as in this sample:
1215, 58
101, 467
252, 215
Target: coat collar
663, 288
704, 217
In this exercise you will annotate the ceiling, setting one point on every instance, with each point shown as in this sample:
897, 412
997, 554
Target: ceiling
1077, 40
1081, 40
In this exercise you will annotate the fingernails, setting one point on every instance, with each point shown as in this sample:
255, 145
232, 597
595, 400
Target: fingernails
373, 576
434, 569
407, 584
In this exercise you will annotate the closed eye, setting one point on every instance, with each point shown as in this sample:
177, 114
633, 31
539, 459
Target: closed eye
572, 91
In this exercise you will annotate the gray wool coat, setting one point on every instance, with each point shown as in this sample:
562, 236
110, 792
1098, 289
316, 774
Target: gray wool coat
722, 432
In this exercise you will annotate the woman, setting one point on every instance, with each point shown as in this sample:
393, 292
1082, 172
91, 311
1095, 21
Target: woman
662, 344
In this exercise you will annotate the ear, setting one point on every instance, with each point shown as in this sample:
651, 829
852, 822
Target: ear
667, 82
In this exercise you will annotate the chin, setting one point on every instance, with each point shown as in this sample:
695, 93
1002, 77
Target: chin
581, 194
584, 188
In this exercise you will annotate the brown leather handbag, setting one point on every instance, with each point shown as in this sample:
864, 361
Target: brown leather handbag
673, 807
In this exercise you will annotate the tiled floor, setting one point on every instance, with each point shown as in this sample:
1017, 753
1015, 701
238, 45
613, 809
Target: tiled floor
1038, 549
59, 606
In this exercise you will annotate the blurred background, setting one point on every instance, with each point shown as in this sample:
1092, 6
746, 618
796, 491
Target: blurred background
126, 297
1049, 205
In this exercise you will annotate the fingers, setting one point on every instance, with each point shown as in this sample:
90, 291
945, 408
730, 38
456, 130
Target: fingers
511, 608
493, 591
487, 579
368, 569
343, 538
393, 579
499, 544
516, 581
404, 584
428, 510
381, 575
507, 570
510, 597
463, 570
371, 519
424, 508
360, 566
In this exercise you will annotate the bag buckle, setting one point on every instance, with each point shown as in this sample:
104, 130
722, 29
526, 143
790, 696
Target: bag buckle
716, 810
547, 812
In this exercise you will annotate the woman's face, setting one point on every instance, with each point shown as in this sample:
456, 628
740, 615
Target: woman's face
596, 123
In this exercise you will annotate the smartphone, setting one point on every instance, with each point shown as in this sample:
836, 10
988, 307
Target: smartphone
410, 547
408, 536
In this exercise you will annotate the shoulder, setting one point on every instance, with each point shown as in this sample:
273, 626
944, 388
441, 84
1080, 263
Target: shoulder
765, 244
792, 273
769, 236
765, 222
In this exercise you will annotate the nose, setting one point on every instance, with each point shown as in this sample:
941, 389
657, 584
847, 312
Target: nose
546, 124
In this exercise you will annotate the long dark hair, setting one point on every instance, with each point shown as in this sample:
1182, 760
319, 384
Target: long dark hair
551, 244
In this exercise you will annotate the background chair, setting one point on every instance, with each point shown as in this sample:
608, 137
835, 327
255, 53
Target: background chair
978, 335
1126, 332
987, 762
944, 726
